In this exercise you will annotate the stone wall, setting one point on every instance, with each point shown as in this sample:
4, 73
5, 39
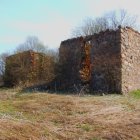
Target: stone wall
15, 71
130, 50
28, 68
70, 61
114, 58
104, 58
106, 62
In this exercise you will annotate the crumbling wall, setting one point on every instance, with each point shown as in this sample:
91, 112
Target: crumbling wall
70, 53
29, 68
85, 69
17, 68
95, 60
130, 50
106, 62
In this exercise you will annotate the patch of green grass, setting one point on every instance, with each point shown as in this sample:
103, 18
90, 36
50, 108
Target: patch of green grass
135, 94
86, 127
96, 138
46, 132
6, 107
56, 122
8, 110
81, 112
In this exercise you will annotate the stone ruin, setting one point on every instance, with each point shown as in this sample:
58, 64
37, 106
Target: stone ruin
27, 68
108, 62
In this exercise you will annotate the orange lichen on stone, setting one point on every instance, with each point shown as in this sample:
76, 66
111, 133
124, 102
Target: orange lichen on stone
85, 72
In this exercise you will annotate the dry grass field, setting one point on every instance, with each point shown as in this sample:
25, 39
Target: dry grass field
43, 116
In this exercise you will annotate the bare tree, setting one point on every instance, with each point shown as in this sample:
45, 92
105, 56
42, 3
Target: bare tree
2, 62
2, 67
121, 17
32, 43
110, 20
28, 68
91, 26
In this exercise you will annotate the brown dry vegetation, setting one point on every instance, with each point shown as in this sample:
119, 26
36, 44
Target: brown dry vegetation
42, 116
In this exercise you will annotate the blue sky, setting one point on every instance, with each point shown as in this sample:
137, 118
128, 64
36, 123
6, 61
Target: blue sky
50, 20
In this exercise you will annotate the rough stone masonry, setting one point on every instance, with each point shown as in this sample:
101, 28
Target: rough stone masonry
108, 61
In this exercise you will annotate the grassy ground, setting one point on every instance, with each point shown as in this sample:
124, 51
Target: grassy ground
42, 116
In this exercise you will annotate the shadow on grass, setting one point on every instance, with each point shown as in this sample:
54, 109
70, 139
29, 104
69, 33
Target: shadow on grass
47, 89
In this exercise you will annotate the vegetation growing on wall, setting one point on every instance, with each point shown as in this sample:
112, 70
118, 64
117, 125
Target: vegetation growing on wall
85, 72
29, 68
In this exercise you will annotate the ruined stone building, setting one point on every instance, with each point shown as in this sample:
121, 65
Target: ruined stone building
28, 67
108, 61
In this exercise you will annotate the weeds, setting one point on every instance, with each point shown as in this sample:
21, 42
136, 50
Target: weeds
58, 117
86, 127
